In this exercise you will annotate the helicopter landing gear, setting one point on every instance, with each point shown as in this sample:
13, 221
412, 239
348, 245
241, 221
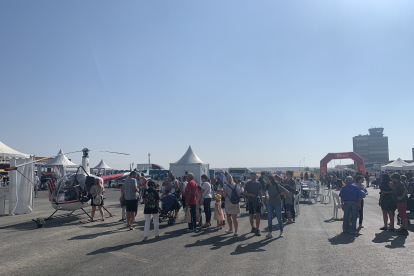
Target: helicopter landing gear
110, 215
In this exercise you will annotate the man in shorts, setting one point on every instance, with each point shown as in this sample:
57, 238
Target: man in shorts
252, 191
401, 191
130, 194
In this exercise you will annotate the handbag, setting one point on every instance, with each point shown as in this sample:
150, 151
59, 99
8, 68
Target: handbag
187, 217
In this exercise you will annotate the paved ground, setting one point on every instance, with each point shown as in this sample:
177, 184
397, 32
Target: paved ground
314, 245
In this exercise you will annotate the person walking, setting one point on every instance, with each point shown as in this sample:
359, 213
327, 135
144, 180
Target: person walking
97, 191
351, 198
378, 178
252, 190
367, 179
401, 192
151, 200
123, 203
131, 193
290, 185
191, 201
387, 202
274, 192
358, 181
207, 195
231, 194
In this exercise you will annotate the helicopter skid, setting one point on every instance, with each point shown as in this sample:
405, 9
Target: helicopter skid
70, 205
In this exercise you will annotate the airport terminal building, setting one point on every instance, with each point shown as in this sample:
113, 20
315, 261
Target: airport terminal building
373, 147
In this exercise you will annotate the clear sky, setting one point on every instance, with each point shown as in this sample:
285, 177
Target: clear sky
245, 83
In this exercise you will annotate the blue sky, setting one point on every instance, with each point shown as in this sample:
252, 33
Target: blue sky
245, 83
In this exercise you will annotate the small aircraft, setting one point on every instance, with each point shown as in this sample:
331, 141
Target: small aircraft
70, 192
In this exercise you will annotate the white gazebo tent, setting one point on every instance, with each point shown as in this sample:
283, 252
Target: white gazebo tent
191, 163
396, 165
409, 167
21, 180
102, 166
60, 161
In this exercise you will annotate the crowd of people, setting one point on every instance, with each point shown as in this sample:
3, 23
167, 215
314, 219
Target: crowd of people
394, 189
164, 200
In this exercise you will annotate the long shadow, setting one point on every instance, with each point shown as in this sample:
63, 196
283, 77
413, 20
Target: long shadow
166, 236
30, 225
95, 235
252, 247
332, 220
343, 238
387, 237
217, 241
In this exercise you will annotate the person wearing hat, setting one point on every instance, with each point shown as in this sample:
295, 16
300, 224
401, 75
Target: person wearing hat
218, 212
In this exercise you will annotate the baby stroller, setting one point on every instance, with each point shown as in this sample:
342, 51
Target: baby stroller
170, 204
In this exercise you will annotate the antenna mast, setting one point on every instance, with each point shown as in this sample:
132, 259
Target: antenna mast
149, 158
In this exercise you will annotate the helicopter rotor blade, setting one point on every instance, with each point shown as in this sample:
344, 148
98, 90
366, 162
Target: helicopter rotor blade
111, 152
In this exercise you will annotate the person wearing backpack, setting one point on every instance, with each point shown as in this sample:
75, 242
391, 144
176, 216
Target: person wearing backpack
274, 192
231, 193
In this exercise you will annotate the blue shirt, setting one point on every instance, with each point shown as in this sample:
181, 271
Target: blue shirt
350, 192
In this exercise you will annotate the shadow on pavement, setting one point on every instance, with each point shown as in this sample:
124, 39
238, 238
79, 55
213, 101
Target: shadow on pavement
343, 238
166, 236
30, 225
387, 237
332, 220
252, 247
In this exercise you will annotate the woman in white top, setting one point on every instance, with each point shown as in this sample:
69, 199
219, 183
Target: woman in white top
232, 209
206, 192
97, 190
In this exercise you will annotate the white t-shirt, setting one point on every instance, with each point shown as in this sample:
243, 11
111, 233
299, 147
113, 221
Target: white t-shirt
184, 186
173, 186
36, 180
207, 187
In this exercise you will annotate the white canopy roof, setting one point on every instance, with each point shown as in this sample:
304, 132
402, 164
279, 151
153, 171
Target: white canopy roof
102, 165
396, 165
410, 166
189, 158
61, 160
8, 153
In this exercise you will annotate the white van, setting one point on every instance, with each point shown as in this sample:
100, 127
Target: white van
237, 173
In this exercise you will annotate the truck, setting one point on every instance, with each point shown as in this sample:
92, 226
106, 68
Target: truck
237, 173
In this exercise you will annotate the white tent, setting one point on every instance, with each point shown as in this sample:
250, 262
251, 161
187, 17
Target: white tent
21, 181
7, 153
409, 167
191, 163
60, 160
102, 166
396, 165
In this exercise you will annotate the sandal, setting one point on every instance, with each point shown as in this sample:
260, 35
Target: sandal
383, 228
217, 228
145, 239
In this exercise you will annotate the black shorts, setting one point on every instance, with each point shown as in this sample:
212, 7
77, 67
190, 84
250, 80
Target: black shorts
251, 208
132, 205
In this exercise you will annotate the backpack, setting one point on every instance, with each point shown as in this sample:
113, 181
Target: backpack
97, 200
235, 198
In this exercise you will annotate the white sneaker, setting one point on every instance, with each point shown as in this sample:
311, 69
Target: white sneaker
229, 231
269, 236
281, 234
236, 234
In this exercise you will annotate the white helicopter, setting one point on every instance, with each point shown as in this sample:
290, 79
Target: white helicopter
69, 193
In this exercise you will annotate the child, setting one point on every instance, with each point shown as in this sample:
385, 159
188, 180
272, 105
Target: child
123, 204
218, 213
223, 205
200, 202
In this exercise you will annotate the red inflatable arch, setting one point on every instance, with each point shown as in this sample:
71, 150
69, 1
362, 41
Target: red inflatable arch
343, 155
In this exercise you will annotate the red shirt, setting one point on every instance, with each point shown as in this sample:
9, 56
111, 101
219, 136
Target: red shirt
191, 187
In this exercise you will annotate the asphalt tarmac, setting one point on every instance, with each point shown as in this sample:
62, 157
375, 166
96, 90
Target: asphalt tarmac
314, 245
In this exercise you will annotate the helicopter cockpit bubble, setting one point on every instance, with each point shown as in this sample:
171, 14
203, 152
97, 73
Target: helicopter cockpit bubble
69, 187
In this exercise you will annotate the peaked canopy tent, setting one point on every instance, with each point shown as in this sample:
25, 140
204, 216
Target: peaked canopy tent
60, 161
102, 166
191, 163
7, 153
409, 167
398, 164
21, 180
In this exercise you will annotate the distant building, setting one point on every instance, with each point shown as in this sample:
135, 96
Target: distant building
373, 147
